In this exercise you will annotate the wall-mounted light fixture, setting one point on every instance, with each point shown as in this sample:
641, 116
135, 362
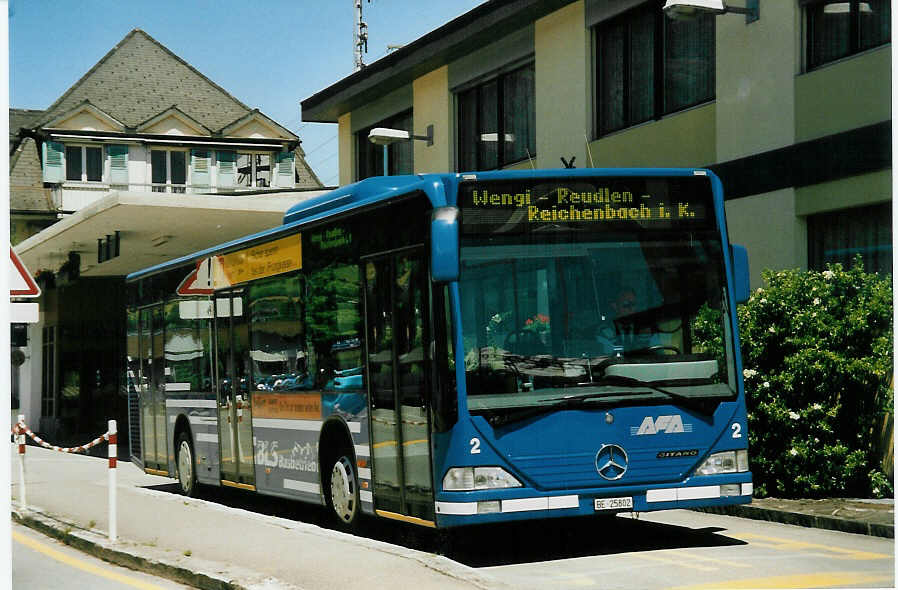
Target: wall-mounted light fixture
686, 9
386, 136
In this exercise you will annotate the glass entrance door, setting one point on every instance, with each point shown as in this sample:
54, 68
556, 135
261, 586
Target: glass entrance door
396, 308
232, 378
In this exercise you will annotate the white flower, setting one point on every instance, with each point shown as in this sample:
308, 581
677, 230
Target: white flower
817, 407
794, 415
764, 300
828, 274
816, 301
793, 452
767, 384
749, 373
771, 330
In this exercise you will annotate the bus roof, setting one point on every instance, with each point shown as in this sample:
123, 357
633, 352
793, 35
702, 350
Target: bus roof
380, 188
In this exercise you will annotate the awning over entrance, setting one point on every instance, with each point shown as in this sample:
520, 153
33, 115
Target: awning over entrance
152, 228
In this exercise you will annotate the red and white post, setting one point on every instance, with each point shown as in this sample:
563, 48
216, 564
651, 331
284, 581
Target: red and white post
20, 440
113, 457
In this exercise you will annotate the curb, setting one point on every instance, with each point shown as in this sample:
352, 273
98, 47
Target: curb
121, 554
805, 520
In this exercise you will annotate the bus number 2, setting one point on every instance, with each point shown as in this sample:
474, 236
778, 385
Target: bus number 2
475, 446
737, 430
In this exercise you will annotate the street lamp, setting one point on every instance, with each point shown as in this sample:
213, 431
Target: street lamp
687, 9
386, 136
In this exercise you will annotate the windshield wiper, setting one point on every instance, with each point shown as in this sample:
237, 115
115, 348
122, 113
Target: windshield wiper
683, 400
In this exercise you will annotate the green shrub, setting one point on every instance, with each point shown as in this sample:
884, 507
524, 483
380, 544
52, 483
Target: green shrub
817, 363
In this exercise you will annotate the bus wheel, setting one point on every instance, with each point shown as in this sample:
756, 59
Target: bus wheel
343, 491
185, 462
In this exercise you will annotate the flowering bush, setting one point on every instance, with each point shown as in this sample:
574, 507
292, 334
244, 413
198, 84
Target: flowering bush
817, 356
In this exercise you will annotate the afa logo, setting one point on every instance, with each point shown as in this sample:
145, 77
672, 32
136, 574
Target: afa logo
662, 424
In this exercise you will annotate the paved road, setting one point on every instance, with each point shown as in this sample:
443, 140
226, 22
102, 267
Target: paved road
41, 562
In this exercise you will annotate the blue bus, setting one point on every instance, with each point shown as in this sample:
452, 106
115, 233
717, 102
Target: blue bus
454, 349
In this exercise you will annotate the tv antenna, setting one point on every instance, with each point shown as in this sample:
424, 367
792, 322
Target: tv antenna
360, 36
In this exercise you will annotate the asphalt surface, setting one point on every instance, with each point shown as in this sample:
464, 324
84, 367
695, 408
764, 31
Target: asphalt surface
191, 541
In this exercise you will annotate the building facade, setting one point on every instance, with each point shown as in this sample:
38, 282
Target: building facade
792, 109
142, 160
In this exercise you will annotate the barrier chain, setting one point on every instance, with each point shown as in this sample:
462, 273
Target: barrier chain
20, 430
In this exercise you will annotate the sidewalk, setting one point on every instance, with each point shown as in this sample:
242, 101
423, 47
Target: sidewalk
849, 515
209, 545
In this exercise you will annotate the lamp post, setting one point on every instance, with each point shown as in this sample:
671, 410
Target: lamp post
385, 136
686, 9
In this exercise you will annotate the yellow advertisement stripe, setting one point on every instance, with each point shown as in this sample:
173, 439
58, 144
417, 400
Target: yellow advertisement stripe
263, 260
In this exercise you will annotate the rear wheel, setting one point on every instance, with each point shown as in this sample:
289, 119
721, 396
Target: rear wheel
185, 463
343, 491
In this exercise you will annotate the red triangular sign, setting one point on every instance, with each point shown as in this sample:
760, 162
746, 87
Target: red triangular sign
198, 282
21, 283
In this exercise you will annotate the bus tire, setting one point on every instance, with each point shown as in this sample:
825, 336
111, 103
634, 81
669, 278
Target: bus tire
186, 465
342, 490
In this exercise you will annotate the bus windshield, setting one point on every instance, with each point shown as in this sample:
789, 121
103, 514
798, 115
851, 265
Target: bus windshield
606, 291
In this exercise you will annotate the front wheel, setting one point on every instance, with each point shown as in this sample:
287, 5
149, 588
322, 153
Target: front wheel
343, 492
185, 462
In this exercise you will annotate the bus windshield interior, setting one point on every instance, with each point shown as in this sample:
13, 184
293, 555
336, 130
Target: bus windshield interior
613, 317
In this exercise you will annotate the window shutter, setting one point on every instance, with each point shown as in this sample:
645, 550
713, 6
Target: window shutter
227, 169
54, 161
200, 165
285, 173
118, 164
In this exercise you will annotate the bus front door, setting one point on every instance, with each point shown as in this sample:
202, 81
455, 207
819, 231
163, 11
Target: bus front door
232, 377
395, 309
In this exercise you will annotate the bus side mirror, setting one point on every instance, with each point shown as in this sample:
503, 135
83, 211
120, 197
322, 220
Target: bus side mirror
740, 273
444, 261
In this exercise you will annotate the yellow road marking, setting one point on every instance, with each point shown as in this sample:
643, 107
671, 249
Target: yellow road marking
84, 566
676, 562
716, 560
819, 580
827, 550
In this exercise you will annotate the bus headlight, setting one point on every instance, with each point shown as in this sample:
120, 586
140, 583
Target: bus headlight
726, 462
465, 479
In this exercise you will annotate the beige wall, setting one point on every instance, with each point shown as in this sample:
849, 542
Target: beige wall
849, 93
562, 87
756, 67
431, 106
346, 152
856, 191
767, 226
682, 139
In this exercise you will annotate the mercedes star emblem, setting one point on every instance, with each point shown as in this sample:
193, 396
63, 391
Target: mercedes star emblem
611, 462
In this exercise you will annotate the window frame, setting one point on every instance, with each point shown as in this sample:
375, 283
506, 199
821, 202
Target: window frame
659, 58
497, 77
83, 168
254, 167
169, 186
856, 45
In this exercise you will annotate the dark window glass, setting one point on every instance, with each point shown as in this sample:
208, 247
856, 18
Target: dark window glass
840, 236
73, 163
160, 167
178, 167
497, 121
278, 349
188, 346
839, 29
94, 157
399, 154
648, 65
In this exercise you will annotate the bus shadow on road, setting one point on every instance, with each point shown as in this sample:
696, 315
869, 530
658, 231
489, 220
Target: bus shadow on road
493, 545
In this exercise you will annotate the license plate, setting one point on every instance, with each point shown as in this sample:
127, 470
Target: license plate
614, 503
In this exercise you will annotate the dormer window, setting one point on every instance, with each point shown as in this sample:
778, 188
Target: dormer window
83, 163
253, 170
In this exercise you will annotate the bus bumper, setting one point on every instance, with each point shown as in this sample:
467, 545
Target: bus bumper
467, 508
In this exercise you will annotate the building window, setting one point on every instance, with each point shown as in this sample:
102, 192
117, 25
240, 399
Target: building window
370, 157
83, 164
838, 29
497, 121
839, 236
648, 66
253, 170
169, 171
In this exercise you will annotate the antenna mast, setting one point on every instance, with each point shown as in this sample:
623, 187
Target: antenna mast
360, 36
